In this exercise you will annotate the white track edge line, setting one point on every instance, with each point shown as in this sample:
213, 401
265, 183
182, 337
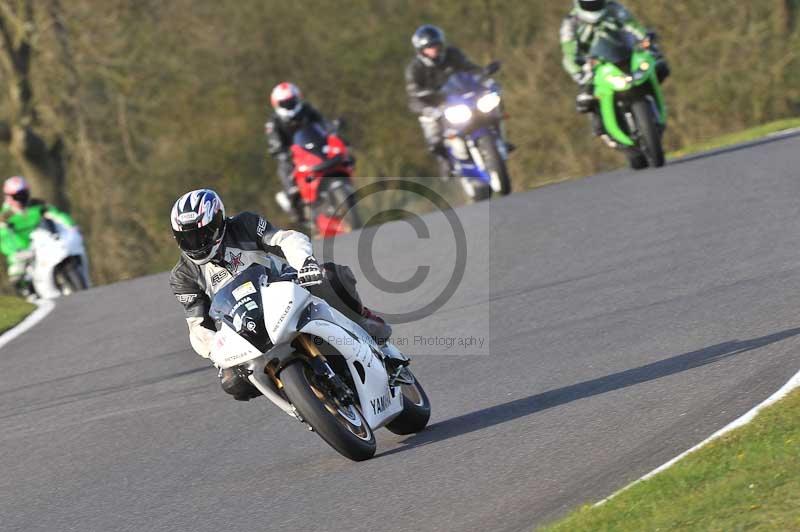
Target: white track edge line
787, 388
784, 132
43, 309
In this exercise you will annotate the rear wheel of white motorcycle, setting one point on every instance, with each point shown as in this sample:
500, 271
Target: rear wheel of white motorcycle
69, 277
416, 410
494, 163
343, 428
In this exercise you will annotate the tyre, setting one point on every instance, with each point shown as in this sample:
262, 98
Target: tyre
344, 429
649, 133
416, 410
637, 161
344, 195
475, 190
495, 165
69, 277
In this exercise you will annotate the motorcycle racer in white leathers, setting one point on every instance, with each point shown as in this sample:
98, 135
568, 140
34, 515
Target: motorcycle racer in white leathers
214, 249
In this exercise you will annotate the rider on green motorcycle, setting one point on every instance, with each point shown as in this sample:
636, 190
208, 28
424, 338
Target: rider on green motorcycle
578, 31
19, 216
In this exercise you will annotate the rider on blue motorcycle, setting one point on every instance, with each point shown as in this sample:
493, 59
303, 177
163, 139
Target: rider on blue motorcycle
433, 64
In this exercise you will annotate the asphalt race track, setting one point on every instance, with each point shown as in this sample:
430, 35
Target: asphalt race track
625, 317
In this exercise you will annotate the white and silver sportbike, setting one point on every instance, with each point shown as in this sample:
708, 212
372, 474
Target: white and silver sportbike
59, 265
314, 363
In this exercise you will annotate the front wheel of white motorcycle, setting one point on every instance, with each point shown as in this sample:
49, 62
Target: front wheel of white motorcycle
342, 427
416, 409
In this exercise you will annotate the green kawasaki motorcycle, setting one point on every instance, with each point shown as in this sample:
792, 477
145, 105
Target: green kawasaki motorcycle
629, 94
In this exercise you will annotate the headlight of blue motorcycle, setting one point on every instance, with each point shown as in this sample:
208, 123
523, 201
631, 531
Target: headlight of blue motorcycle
458, 114
488, 102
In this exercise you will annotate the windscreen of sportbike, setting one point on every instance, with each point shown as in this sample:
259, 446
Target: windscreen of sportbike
461, 83
313, 138
239, 302
613, 47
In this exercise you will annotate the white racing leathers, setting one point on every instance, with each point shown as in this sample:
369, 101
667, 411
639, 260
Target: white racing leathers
248, 239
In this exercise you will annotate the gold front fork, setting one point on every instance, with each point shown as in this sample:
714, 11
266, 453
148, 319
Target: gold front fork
308, 344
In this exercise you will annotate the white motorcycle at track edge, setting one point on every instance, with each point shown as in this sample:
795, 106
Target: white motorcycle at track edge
313, 362
59, 266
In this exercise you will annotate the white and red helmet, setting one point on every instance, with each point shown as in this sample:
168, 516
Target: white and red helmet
287, 100
17, 192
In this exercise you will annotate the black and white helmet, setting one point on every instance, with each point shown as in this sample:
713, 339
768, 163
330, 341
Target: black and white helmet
590, 11
198, 224
429, 38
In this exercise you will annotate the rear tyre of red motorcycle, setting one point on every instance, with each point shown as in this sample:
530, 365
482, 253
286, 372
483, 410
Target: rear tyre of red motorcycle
345, 202
343, 428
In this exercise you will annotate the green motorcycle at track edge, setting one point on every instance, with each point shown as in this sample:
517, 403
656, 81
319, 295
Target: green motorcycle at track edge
631, 102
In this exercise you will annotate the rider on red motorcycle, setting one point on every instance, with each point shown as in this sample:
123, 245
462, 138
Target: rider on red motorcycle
291, 112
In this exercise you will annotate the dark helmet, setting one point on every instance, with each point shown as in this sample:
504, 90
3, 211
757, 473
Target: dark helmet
429, 37
198, 224
590, 11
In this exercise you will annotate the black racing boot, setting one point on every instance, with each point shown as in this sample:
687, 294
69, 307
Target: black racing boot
237, 385
585, 102
376, 327
597, 124
442, 160
445, 170
24, 289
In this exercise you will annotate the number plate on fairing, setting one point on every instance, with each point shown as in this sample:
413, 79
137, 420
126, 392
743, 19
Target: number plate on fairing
230, 349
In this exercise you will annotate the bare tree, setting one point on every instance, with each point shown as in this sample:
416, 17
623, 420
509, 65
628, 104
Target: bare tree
789, 9
40, 156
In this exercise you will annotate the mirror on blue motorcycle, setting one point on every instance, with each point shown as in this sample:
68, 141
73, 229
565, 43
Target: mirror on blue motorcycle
491, 68
338, 124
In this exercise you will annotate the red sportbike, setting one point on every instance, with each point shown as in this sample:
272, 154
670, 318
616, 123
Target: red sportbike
323, 170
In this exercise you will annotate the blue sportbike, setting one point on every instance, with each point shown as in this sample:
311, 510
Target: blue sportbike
472, 117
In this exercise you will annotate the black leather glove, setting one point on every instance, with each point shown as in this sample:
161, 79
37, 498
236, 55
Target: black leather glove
433, 113
310, 274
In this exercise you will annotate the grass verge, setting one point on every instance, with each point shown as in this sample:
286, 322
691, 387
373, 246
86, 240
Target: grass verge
738, 137
722, 141
748, 479
12, 311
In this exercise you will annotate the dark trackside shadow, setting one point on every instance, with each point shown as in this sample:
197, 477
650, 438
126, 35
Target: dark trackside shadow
495, 415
